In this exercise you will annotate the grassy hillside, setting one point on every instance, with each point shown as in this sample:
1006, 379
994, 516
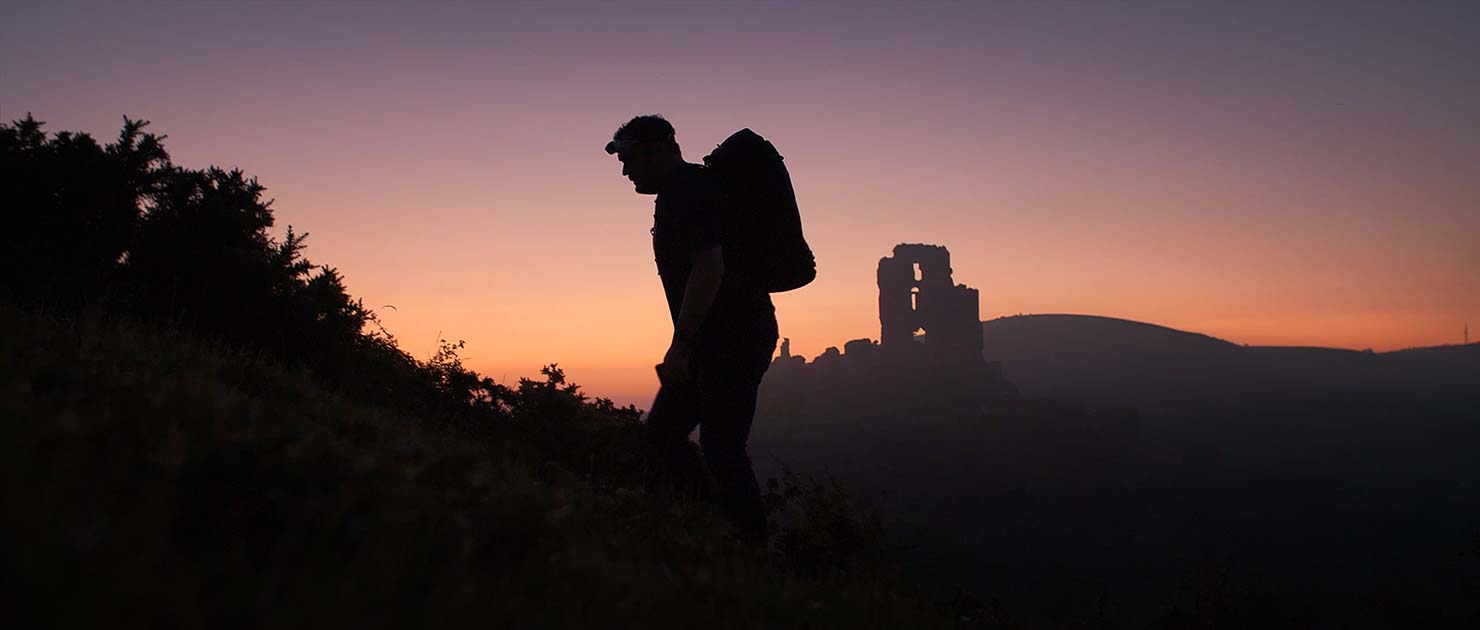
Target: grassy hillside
155, 480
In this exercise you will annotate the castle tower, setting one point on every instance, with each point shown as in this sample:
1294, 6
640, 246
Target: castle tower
916, 293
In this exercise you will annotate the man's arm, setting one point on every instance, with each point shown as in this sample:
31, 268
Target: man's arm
705, 276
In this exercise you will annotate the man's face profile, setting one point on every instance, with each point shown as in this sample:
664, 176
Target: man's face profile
638, 166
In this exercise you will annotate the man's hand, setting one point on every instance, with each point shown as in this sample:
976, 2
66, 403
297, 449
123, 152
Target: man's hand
675, 365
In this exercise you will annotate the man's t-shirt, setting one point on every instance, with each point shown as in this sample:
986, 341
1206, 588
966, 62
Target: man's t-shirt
686, 219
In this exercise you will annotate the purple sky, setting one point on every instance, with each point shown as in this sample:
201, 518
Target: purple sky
1277, 174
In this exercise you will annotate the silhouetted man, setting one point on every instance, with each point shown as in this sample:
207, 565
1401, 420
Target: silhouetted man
724, 326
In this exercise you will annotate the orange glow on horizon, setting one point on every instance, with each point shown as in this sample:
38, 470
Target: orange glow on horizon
1223, 177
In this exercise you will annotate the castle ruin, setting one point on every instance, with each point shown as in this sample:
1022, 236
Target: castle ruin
916, 293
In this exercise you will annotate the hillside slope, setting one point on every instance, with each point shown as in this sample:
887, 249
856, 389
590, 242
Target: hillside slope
1122, 362
153, 480
1102, 358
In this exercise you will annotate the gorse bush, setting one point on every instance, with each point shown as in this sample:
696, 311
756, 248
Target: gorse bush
74, 209
121, 230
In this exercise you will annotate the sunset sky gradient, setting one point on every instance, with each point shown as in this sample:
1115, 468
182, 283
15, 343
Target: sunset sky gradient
1291, 174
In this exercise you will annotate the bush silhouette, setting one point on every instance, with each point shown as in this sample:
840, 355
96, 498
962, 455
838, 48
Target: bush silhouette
120, 229
74, 209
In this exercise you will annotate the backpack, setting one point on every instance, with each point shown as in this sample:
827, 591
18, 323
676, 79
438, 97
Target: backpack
762, 225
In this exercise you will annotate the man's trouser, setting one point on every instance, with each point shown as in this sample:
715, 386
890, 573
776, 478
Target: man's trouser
719, 398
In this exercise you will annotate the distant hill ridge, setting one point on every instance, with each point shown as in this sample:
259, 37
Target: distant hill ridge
1069, 323
1078, 328
1121, 361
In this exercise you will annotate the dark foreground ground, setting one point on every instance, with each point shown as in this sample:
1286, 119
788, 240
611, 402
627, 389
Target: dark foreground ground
1107, 473
151, 480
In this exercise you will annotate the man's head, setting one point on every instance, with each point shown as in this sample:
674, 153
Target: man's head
648, 151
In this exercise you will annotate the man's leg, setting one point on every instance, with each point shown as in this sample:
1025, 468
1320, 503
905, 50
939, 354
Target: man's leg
673, 416
727, 409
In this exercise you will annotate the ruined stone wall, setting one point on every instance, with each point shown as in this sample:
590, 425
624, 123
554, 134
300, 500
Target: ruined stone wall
916, 293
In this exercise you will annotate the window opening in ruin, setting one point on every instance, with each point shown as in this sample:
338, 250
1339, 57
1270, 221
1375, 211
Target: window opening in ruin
915, 299
918, 273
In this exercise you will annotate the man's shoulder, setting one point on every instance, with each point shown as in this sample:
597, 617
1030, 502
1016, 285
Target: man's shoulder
692, 184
